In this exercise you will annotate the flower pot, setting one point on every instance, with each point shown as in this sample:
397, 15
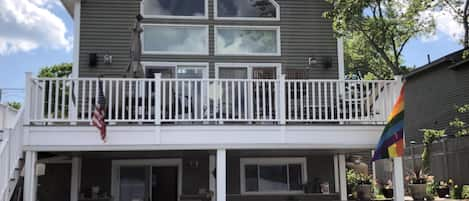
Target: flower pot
388, 192
442, 192
364, 192
418, 191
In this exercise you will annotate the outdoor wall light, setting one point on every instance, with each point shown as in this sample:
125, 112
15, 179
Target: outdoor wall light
107, 59
325, 62
92, 59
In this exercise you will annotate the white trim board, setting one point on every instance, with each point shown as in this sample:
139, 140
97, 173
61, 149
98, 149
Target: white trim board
272, 161
76, 40
116, 164
205, 16
276, 18
142, 39
199, 137
246, 27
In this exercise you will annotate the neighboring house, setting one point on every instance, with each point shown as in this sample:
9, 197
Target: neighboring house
432, 93
242, 100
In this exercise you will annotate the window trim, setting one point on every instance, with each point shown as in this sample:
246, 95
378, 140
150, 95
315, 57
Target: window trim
152, 64
271, 161
277, 17
245, 27
205, 16
174, 52
249, 67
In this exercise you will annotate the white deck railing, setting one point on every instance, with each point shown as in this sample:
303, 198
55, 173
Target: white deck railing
11, 150
55, 100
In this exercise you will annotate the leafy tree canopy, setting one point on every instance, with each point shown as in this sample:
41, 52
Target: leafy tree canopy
362, 61
385, 25
14, 104
58, 70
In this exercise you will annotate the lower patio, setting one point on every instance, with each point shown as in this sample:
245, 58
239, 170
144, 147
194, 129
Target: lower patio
261, 175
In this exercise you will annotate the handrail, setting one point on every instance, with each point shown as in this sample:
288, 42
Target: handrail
171, 100
11, 151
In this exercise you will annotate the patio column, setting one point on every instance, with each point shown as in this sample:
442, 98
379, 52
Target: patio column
336, 174
221, 175
76, 178
342, 177
30, 178
398, 179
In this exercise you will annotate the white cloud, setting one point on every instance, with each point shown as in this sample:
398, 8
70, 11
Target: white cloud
446, 25
29, 24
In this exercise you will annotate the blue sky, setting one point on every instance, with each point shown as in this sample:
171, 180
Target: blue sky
49, 42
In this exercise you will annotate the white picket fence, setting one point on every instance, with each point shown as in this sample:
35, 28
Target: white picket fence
11, 151
56, 100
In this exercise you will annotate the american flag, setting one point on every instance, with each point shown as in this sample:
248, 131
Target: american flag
98, 113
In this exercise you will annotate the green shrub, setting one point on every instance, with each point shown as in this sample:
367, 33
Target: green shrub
465, 192
455, 192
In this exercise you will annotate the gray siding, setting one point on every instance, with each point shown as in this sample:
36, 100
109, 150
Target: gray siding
106, 27
431, 97
96, 171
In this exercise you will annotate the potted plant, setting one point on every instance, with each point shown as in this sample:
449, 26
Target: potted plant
352, 183
465, 192
364, 187
442, 189
418, 184
388, 190
455, 192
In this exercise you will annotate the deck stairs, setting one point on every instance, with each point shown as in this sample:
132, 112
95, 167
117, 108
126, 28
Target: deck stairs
11, 152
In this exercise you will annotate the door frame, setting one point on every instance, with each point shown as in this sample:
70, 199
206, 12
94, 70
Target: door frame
155, 65
249, 67
117, 164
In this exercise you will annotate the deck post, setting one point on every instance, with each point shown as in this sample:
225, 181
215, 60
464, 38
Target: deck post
281, 101
30, 178
221, 175
75, 179
336, 174
27, 98
158, 98
342, 177
398, 179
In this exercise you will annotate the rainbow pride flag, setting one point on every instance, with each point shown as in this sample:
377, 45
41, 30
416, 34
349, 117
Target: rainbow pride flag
391, 143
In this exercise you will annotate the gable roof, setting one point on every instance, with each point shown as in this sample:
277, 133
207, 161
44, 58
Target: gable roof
453, 60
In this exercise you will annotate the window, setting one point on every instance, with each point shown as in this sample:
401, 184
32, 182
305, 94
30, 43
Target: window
273, 175
247, 10
183, 70
175, 8
248, 70
246, 40
175, 39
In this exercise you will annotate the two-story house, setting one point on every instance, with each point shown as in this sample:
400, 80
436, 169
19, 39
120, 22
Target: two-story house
236, 100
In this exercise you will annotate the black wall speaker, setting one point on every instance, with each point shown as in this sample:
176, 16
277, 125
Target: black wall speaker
93, 59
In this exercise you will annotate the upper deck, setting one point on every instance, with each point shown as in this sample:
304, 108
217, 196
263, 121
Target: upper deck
58, 101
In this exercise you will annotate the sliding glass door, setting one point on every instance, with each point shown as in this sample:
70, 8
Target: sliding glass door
148, 183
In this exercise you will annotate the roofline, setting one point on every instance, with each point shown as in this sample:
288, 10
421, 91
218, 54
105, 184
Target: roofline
446, 58
69, 6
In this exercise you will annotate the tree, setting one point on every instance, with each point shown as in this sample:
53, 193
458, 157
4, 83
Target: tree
362, 61
461, 126
58, 70
14, 104
386, 25
459, 9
